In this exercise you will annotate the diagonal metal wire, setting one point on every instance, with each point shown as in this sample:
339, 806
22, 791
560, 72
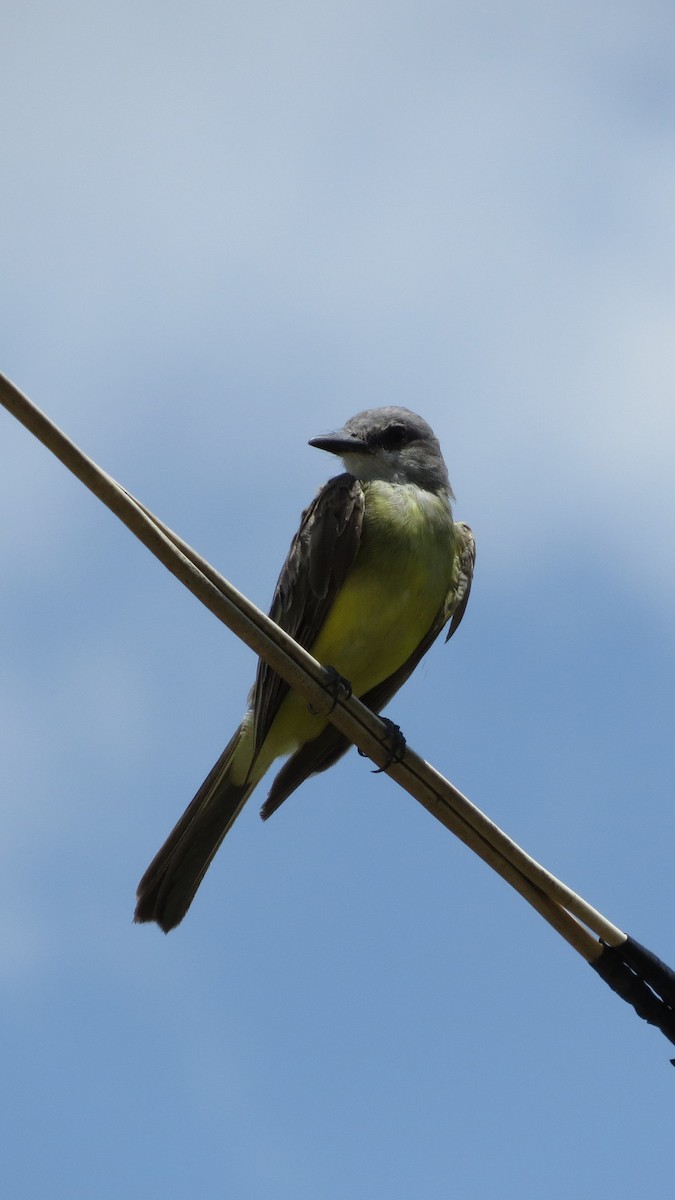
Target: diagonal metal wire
629, 969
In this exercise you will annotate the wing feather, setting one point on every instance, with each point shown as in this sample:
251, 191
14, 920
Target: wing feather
319, 559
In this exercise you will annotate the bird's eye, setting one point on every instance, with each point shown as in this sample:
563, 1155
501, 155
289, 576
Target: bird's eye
393, 436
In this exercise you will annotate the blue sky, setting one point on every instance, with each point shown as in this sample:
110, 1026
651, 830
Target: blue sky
226, 228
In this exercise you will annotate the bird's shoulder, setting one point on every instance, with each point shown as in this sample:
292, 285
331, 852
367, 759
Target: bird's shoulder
465, 560
322, 550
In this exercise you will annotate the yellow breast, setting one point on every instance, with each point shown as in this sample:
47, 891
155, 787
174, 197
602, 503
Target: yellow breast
399, 581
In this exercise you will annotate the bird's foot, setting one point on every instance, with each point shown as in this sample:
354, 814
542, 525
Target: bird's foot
395, 746
337, 687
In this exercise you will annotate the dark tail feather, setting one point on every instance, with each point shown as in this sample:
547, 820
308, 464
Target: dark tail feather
168, 887
314, 756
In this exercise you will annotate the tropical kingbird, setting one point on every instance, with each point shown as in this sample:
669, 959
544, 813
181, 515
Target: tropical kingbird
376, 569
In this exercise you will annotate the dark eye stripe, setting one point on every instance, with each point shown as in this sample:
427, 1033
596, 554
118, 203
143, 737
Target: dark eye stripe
394, 435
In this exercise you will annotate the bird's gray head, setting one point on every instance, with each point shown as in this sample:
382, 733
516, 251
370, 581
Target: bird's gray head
389, 443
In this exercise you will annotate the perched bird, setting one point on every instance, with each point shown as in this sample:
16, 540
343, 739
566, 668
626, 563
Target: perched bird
376, 569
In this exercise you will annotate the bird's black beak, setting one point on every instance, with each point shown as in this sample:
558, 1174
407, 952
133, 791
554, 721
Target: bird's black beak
341, 442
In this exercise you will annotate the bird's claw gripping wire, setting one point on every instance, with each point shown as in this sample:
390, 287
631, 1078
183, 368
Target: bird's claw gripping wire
337, 687
395, 746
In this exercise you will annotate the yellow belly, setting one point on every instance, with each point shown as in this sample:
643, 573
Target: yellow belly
399, 581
